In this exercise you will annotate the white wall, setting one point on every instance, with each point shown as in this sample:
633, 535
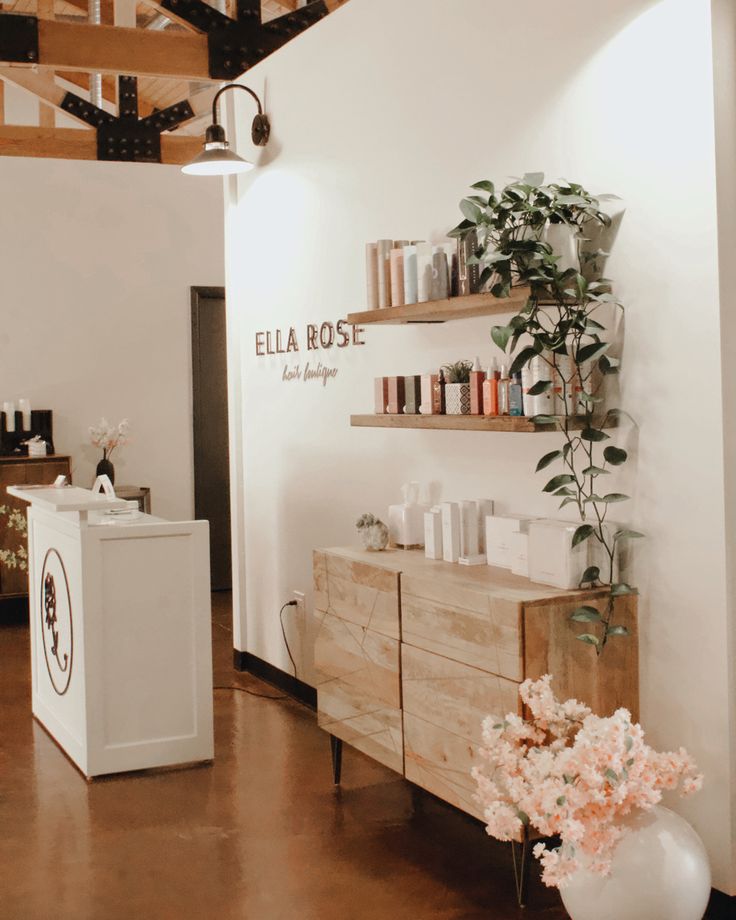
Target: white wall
404, 106
96, 262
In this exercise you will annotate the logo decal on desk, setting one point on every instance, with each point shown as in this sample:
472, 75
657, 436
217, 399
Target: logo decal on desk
56, 622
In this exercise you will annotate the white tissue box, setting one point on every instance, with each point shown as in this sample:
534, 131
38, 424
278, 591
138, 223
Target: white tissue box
499, 528
552, 558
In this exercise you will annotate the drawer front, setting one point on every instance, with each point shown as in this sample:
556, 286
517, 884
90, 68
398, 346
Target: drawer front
361, 721
358, 658
452, 696
471, 627
441, 763
363, 594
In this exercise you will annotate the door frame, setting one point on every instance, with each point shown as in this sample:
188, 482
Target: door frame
198, 294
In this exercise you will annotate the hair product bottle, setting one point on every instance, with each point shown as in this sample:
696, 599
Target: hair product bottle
503, 392
477, 378
490, 390
516, 401
438, 395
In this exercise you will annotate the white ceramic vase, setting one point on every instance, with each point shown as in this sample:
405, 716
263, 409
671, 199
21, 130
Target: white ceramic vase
660, 872
564, 241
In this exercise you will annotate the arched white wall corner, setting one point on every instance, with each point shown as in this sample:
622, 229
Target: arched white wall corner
383, 114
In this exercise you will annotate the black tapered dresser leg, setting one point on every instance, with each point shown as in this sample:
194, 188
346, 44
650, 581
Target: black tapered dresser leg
336, 748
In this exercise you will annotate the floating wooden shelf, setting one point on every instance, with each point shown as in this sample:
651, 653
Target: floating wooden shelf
458, 422
440, 311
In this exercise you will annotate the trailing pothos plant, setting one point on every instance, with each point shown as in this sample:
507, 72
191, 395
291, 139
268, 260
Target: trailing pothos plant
560, 323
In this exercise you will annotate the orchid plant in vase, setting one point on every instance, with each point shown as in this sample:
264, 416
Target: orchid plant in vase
108, 437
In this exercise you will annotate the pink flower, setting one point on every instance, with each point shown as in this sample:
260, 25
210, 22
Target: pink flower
571, 773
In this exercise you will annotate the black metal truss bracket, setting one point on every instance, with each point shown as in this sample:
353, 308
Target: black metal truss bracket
127, 138
236, 45
18, 38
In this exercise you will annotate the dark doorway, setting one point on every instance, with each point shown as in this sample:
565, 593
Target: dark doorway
211, 440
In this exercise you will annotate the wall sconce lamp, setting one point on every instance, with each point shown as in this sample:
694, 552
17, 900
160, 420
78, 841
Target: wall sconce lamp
217, 159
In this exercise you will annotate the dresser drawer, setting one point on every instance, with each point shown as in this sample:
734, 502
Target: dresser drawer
469, 626
455, 697
441, 763
362, 659
361, 721
358, 592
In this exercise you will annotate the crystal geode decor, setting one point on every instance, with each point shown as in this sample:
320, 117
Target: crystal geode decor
373, 532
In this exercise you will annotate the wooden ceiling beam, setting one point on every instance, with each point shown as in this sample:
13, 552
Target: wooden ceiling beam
115, 50
109, 89
73, 144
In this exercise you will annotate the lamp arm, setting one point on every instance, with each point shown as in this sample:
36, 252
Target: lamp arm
223, 89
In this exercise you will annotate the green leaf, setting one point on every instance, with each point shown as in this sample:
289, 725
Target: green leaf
562, 480
611, 775
629, 743
484, 186
461, 229
593, 434
615, 497
594, 471
521, 360
535, 178
587, 637
615, 455
588, 352
592, 573
566, 501
561, 800
586, 615
471, 211
608, 365
617, 631
621, 589
522, 816
565, 491
547, 459
501, 336
544, 419
627, 534
582, 533
541, 386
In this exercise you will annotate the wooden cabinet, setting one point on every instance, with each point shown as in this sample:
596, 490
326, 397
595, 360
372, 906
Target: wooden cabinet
22, 471
412, 654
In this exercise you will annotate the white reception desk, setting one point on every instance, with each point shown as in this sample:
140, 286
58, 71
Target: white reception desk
121, 644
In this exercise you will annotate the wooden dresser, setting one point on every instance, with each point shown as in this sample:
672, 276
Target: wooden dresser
412, 654
15, 471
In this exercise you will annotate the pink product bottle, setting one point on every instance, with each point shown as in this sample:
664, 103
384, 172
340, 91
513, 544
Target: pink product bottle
490, 390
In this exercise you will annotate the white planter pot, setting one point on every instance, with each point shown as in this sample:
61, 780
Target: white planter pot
457, 399
564, 241
660, 872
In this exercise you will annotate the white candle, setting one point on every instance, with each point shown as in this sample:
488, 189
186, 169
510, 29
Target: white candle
25, 407
9, 410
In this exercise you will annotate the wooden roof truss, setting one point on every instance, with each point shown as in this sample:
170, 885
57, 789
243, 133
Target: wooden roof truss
51, 57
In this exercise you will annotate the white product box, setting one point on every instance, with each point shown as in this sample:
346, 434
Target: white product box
433, 533
470, 542
450, 531
552, 558
499, 528
519, 543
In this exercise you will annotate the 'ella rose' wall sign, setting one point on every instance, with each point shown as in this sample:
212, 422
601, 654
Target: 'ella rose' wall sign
323, 335
316, 336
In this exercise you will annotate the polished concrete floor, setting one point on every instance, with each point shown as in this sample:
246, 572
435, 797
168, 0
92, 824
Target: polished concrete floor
261, 834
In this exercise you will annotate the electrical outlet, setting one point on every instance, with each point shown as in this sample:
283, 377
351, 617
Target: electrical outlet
299, 598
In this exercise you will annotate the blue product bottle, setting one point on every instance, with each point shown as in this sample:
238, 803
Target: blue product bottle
516, 399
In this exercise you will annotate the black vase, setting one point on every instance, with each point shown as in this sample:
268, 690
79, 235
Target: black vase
105, 468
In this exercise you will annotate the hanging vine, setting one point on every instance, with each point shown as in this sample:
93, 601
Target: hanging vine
561, 324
